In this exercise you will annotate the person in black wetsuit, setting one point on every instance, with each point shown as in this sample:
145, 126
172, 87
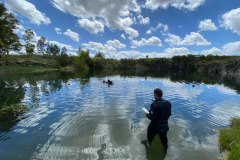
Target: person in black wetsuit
159, 114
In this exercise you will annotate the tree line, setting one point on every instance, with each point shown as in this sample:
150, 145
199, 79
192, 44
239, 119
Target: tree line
10, 41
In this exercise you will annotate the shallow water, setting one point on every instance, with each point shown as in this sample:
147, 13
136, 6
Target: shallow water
82, 118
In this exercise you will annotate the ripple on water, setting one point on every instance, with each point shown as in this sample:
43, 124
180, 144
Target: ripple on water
96, 121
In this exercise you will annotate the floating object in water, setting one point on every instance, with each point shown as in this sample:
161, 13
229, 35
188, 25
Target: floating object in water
109, 82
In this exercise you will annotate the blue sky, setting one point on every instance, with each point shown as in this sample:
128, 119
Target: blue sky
134, 28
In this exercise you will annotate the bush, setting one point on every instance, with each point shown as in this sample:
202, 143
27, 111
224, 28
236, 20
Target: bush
230, 139
64, 60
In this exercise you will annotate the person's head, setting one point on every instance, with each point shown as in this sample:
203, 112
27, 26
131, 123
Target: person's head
158, 93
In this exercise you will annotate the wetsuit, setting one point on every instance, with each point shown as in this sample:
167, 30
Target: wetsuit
158, 114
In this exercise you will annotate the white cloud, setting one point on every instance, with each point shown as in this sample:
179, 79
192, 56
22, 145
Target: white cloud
149, 31
133, 54
123, 36
179, 4
19, 29
111, 46
160, 26
28, 10
193, 38
99, 47
58, 30
232, 48
177, 51
115, 43
73, 35
152, 41
207, 25
131, 32
231, 20
69, 33
163, 27
173, 40
124, 24
114, 14
92, 26
212, 51
144, 21
61, 45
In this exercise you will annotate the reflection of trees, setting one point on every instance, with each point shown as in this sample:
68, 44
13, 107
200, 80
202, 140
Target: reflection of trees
83, 78
55, 85
229, 81
11, 92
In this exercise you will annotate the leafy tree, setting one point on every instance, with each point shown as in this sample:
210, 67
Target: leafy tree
28, 38
8, 39
41, 45
30, 49
83, 61
99, 55
53, 49
99, 61
63, 51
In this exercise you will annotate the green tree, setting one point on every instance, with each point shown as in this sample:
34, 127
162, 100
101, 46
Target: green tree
99, 61
83, 62
52, 49
41, 45
99, 55
63, 51
28, 38
8, 39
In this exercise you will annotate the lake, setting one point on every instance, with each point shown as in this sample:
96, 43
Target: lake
79, 117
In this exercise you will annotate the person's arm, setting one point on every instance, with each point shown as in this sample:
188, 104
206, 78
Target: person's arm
149, 116
169, 109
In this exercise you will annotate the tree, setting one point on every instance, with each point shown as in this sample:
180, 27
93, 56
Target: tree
63, 51
41, 45
52, 49
99, 61
8, 39
99, 55
83, 61
55, 50
28, 38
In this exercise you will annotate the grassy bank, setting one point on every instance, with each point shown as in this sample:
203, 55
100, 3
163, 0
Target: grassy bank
15, 69
14, 64
230, 140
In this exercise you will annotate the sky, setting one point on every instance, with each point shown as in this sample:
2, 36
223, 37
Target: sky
134, 28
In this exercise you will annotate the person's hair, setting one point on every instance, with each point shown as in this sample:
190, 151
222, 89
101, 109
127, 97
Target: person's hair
158, 92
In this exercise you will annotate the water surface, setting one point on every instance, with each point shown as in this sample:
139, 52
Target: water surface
81, 118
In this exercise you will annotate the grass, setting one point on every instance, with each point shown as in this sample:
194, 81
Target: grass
24, 69
44, 60
230, 139
12, 111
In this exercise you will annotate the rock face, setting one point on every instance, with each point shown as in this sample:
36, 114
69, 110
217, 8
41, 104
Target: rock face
226, 68
229, 66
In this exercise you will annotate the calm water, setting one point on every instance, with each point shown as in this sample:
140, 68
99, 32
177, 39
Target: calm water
81, 118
